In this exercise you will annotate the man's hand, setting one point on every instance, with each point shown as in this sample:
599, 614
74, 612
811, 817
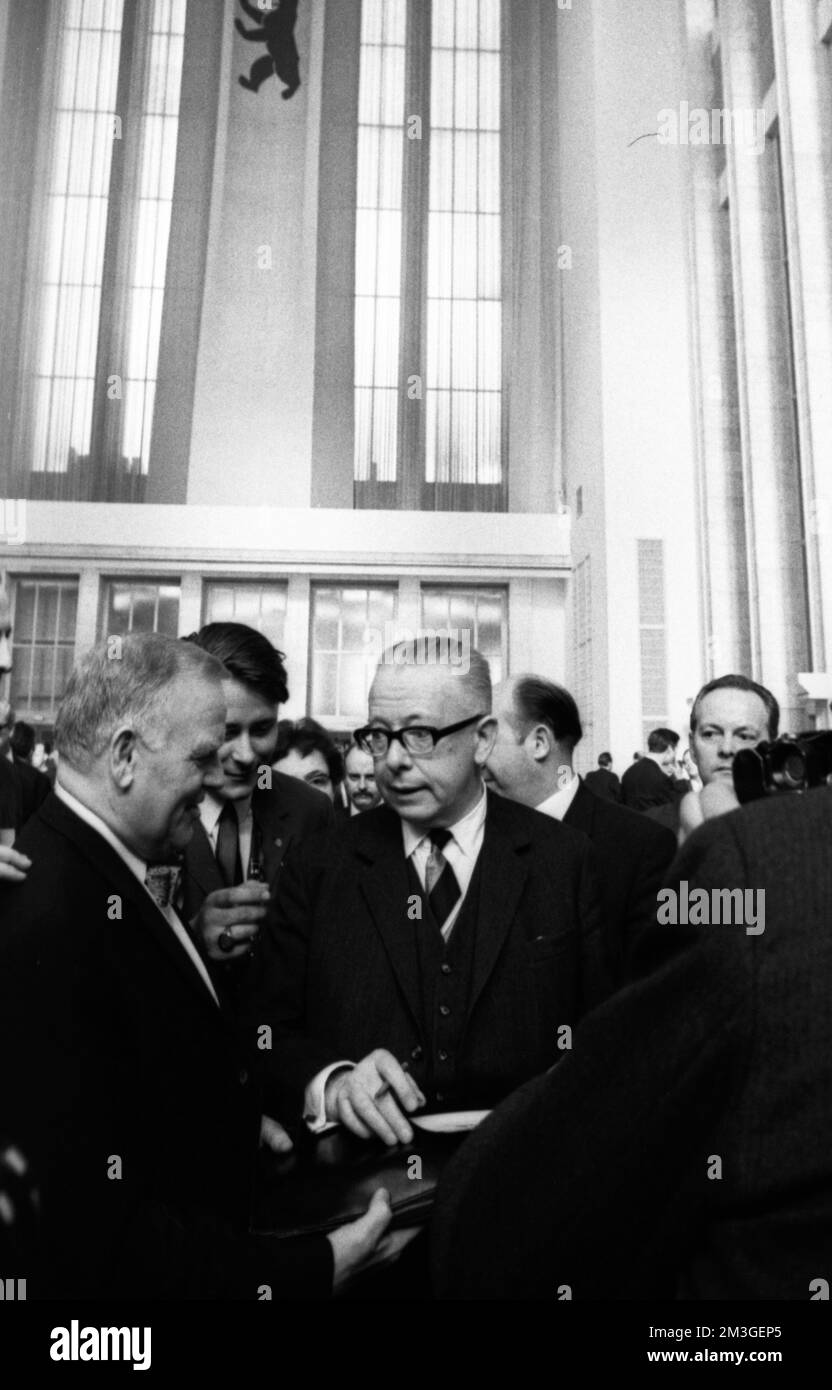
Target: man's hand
13, 865
352, 1098
273, 1136
233, 915
363, 1245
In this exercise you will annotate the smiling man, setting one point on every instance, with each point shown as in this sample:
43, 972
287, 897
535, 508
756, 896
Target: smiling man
441, 946
251, 816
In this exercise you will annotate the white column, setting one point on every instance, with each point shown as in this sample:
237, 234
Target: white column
296, 644
805, 106
767, 417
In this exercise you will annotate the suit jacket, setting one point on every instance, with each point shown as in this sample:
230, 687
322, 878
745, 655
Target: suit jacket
601, 1175
643, 784
340, 971
128, 1090
632, 857
604, 783
33, 789
289, 811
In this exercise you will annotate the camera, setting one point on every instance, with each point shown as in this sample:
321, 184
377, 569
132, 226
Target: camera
791, 763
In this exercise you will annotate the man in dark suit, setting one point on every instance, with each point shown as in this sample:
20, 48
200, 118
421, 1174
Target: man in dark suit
126, 1086
248, 821
33, 786
447, 931
13, 865
649, 782
684, 1147
603, 781
538, 729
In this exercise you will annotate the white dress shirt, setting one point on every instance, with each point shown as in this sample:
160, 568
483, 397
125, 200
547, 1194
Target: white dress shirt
461, 853
138, 868
559, 802
210, 811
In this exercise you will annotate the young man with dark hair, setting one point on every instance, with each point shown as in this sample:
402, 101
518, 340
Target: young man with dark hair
603, 781
538, 726
248, 821
649, 782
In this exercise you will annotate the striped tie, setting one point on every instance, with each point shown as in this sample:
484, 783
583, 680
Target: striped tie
161, 882
440, 880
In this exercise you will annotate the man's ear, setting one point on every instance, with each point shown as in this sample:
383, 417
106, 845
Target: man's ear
540, 742
486, 738
123, 754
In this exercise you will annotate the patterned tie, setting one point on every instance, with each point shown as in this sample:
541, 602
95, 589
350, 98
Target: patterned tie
228, 846
440, 880
161, 882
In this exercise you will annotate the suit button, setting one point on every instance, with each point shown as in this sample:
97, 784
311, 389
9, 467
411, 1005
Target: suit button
243, 1077
444, 1010
443, 1056
445, 968
416, 1054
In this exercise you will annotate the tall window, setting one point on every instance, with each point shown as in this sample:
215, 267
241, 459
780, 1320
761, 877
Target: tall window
99, 275
138, 606
349, 627
44, 644
480, 612
428, 312
261, 606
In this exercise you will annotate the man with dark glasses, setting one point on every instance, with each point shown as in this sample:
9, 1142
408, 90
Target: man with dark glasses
438, 950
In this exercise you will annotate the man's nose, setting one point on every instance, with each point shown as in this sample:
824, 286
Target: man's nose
397, 755
241, 750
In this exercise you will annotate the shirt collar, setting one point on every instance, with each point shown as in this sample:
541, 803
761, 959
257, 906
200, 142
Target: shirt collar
210, 810
136, 865
559, 802
465, 832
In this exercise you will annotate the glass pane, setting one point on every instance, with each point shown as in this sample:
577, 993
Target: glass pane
325, 610
24, 613
68, 613
353, 687
354, 619
46, 623
434, 609
324, 683
144, 610
168, 620
220, 605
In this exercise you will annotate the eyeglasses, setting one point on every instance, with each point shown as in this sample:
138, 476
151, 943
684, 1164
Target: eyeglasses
418, 739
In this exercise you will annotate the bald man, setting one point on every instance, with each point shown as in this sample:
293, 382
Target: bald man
435, 951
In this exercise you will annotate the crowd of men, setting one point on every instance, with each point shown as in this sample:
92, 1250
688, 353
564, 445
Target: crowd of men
474, 928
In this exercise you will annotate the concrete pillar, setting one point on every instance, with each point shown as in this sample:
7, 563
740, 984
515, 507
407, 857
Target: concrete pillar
805, 108
767, 416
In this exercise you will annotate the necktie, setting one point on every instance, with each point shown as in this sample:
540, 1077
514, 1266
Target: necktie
440, 880
161, 881
228, 846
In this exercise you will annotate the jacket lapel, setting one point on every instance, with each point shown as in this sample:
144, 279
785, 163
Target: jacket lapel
200, 869
504, 873
106, 864
385, 887
274, 821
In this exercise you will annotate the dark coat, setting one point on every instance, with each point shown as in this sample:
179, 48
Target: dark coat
604, 783
601, 1175
340, 960
33, 789
128, 1090
643, 784
632, 857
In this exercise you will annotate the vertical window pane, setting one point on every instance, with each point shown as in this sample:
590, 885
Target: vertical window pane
140, 607
343, 658
44, 639
463, 349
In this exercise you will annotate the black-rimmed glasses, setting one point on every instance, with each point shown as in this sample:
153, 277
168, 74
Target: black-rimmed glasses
417, 739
